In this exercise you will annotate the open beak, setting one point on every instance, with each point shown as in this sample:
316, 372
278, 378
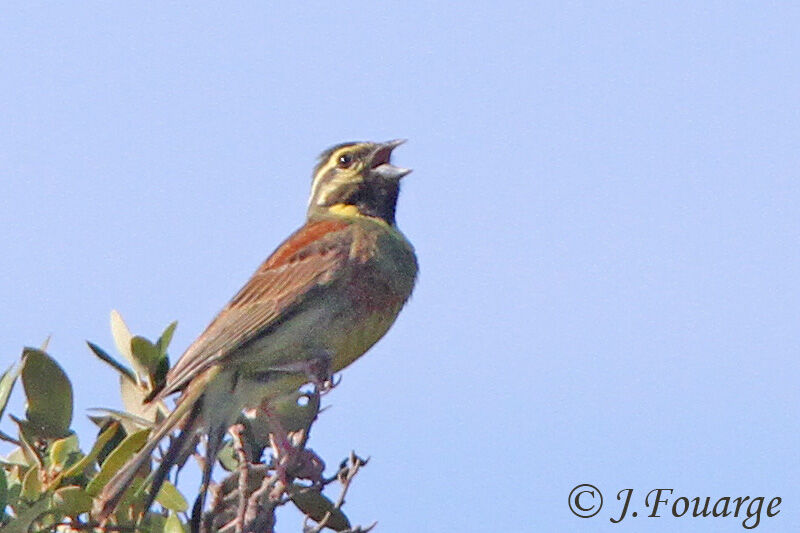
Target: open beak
380, 164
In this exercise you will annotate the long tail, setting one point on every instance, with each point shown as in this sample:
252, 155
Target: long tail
111, 495
213, 445
174, 452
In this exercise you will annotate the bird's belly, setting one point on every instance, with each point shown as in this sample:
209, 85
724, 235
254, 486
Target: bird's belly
341, 334
359, 336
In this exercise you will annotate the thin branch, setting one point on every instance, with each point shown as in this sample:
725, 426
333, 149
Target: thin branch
9, 438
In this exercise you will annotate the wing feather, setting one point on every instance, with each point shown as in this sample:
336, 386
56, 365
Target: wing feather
313, 256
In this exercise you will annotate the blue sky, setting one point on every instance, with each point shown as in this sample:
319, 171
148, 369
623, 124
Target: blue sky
604, 206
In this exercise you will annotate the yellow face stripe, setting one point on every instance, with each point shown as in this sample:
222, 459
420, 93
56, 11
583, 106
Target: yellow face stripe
330, 164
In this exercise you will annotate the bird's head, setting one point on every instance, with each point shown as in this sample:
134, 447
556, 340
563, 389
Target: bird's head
357, 178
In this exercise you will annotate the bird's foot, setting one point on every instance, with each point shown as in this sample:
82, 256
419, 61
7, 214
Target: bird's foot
320, 373
317, 369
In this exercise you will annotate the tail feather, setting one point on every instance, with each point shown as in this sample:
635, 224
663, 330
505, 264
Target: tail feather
112, 493
174, 452
213, 445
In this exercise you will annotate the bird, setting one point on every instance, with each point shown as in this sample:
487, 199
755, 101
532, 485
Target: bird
326, 295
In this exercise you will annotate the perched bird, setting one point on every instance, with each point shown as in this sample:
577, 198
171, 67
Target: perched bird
322, 299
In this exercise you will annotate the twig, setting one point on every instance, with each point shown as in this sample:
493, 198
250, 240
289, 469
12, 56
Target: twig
90, 526
347, 471
9, 438
244, 470
356, 463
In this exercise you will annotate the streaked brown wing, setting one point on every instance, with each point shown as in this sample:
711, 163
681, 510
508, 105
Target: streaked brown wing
310, 257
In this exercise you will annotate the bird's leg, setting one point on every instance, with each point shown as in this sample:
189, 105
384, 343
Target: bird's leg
316, 368
293, 460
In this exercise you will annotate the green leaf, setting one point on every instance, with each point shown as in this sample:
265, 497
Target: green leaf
7, 381
3, 494
31, 485
152, 523
122, 338
171, 498
26, 517
27, 439
72, 501
173, 524
227, 457
116, 365
109, 415
166, 338
12, 500
117, 459
159, 378
133, 399
117, 435
313, 503
86, 460
147, 354
49, 394
61, 449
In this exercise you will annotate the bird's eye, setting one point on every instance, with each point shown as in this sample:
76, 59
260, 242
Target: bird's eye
345, 161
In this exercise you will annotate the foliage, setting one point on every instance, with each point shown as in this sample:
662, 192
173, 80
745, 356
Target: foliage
49, 482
